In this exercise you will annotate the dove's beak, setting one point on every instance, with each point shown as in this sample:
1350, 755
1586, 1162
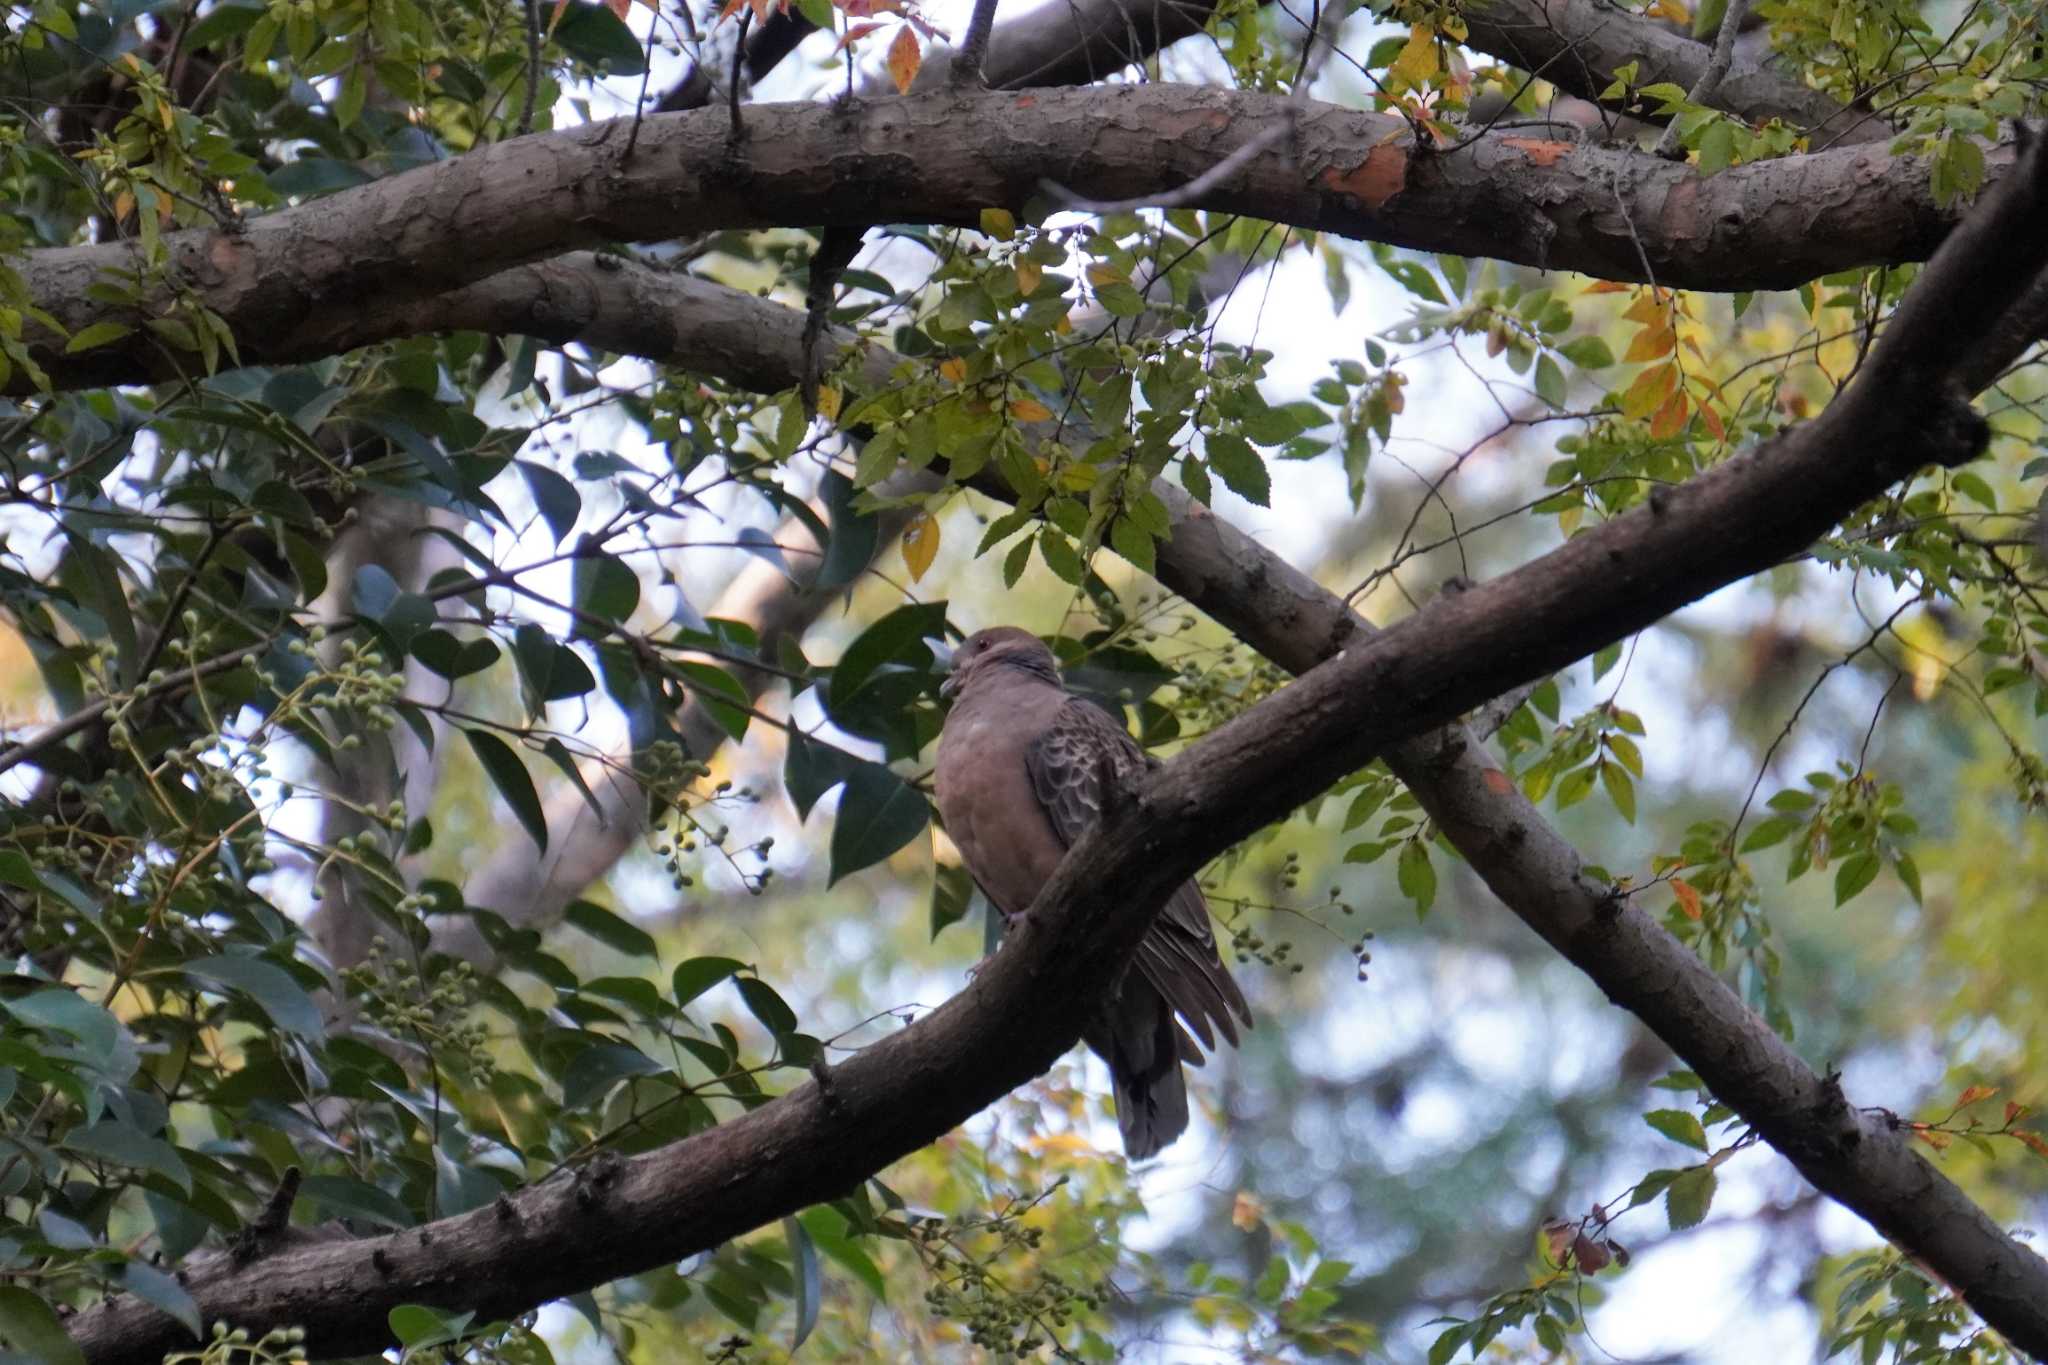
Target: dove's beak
945, 656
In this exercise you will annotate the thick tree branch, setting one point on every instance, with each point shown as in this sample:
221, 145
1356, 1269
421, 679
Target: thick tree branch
1578, 45
943, 158
612, 1218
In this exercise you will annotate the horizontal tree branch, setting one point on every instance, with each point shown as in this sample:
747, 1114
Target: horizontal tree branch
297, 282
611, 1218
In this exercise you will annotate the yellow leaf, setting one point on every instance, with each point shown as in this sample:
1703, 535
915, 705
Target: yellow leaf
953, 370
920, 544
1029, 410
1101, 275
1649, 391
905, 57
1246, 1213
1417, 62
1064, 325
828, 402
1028, 276
1000, 224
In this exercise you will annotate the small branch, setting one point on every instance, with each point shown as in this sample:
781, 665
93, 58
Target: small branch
532, 67
836, 250
1710, 79
739, 57
966, 68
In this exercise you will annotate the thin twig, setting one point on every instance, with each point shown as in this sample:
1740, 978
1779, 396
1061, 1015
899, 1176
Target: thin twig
739, 55
1710, 80
1186, 194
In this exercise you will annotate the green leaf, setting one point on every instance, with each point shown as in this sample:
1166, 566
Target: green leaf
126, 1145
31, 1329
1417, 878
1855, 872
854, 534
346, 1197
810, 768
898, 638
1679, 1125
1233, 460
151, 1285
1061, 556
272, 987
592, 1073
1772, 831
697, 975
610, 929
878, 813
1688, 1197
832, 1233
604, 588
512, 780
98, 334
765, 1005
803, 1257
1620, 790
594, 35
952, 894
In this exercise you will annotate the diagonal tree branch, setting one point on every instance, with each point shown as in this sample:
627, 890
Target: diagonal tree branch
1615, 212
1578, 45
611, 1218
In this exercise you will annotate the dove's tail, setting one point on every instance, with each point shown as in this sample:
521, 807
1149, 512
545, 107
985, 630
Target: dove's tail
1143, 1051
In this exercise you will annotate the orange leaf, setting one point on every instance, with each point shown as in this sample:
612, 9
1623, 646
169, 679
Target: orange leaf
1246, 1213
1647, 310
618, 8
953, 369
1670, 419
905, 57
920, 544
2013, 1109
1974, 1094
1607, 287
1649, 391
556, 17
1029, 410
854, 35
1713, 421
1650, 343
2033, 1140
1939, 1141
1688, 897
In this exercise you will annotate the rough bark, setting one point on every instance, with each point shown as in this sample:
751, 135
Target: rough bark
302, 282
1577, 45
611, 1218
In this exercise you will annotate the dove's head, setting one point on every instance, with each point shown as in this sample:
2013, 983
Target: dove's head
999, 647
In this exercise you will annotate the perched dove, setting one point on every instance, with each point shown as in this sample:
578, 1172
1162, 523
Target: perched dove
1022, 769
